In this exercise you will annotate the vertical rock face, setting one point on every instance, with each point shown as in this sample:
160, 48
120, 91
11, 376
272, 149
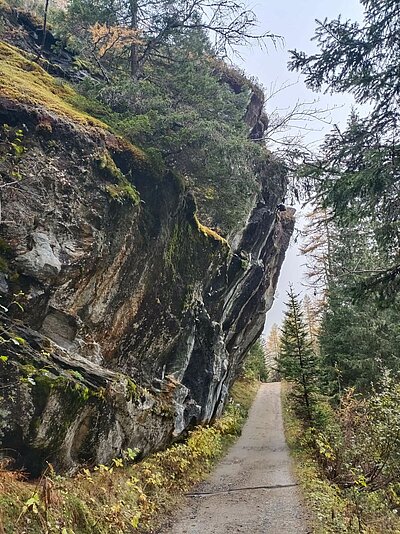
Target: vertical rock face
126, 319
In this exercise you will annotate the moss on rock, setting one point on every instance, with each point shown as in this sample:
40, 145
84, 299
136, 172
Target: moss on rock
209, 232
121, 190
24, 81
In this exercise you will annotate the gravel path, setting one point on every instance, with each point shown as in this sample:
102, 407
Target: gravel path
252, 490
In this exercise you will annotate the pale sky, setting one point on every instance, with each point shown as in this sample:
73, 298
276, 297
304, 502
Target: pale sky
294, 20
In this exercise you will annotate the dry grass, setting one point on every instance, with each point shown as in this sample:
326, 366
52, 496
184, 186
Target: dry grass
125, 497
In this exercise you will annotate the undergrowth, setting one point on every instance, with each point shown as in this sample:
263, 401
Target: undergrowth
127, 496
334, 509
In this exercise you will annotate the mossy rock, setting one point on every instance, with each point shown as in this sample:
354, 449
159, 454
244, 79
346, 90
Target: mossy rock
205, 230
24, 81
122, 190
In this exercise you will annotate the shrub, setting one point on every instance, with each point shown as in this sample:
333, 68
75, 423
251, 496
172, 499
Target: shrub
121, 498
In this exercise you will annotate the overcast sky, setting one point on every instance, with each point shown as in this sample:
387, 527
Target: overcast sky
294, 20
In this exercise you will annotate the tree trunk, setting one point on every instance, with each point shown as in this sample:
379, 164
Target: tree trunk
46, 10
134, 53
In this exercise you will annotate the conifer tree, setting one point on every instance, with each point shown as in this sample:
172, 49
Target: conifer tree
312, 314
357, 173
254, 365
156, 25
271, 348
297, 361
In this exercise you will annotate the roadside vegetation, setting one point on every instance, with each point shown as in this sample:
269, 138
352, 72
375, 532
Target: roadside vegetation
254, 366
340, 351
128, 496
345, 502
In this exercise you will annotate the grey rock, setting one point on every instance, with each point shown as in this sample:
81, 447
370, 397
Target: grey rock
136, 323
60, 327
41, 261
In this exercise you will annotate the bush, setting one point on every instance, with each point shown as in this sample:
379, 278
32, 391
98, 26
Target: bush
349, 464
195, 120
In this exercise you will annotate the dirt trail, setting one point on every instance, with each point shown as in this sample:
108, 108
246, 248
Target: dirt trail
252, 489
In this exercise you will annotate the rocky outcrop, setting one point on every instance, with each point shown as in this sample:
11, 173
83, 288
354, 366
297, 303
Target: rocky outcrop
125, 320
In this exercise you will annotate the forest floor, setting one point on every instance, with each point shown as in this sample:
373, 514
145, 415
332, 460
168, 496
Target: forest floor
252, 489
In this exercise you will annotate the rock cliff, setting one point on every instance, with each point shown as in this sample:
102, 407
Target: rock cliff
124, 319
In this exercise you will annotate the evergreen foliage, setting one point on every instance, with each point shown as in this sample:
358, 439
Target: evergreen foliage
186, 108
359, 338
359, 172
296, 361
254, 366
271, 348
355, 243
353, 247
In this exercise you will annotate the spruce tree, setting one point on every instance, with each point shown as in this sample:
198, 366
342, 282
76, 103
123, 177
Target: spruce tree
297, 361
357, 172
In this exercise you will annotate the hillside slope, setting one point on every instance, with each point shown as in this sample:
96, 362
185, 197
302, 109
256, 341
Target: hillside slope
125, 320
